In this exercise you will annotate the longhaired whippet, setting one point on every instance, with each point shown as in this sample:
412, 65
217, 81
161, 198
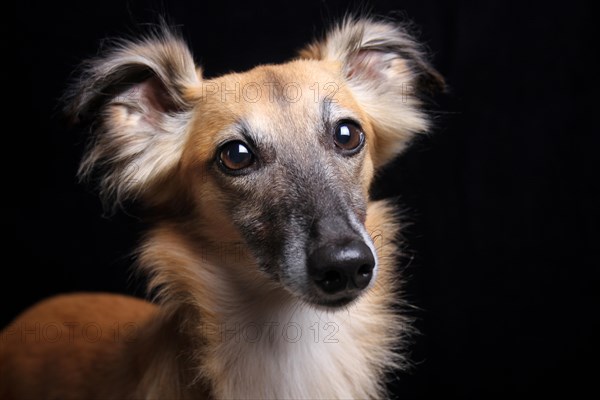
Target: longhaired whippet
273, 273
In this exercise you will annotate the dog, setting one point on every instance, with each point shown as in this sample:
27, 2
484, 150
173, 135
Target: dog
272, 272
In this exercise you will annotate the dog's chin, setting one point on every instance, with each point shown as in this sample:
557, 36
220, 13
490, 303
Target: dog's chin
332, 305
322, 301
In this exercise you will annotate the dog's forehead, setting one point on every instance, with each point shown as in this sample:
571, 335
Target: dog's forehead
282, 106
274, 99
297, 87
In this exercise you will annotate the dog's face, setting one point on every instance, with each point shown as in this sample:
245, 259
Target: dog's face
289, 171
280, 157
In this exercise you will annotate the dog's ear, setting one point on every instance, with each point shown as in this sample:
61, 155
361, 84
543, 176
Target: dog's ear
388, 72
136, 98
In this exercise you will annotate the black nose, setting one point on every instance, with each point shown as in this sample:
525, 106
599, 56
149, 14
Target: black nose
335, 268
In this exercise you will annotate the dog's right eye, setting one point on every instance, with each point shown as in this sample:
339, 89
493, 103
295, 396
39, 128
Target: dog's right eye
235, 156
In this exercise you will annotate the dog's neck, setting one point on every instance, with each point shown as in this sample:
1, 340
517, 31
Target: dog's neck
300, 355
272, 347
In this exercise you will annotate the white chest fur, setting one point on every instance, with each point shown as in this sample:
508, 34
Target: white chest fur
307, 355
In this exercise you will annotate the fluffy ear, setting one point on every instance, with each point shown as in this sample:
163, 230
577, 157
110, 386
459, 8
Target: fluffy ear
387, 71
134, 98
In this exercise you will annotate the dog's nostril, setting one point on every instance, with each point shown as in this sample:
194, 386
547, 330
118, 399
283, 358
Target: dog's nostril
332, 276
365, 270
333, 281
363, 276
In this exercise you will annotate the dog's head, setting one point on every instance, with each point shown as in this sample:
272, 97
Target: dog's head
280, 157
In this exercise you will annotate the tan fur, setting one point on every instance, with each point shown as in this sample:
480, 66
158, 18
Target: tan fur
66, 341
156, 142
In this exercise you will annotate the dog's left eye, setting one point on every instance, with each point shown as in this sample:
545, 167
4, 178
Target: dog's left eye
236, 156
348, 136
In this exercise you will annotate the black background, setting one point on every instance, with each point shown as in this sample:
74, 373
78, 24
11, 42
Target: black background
501, 259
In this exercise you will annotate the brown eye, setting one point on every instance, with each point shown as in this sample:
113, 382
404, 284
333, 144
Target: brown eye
348, 136
236, 155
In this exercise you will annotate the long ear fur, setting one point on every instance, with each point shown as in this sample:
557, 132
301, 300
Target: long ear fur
387, 71
134, 97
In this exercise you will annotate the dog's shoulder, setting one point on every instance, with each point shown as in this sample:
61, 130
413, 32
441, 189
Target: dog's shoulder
69, 339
